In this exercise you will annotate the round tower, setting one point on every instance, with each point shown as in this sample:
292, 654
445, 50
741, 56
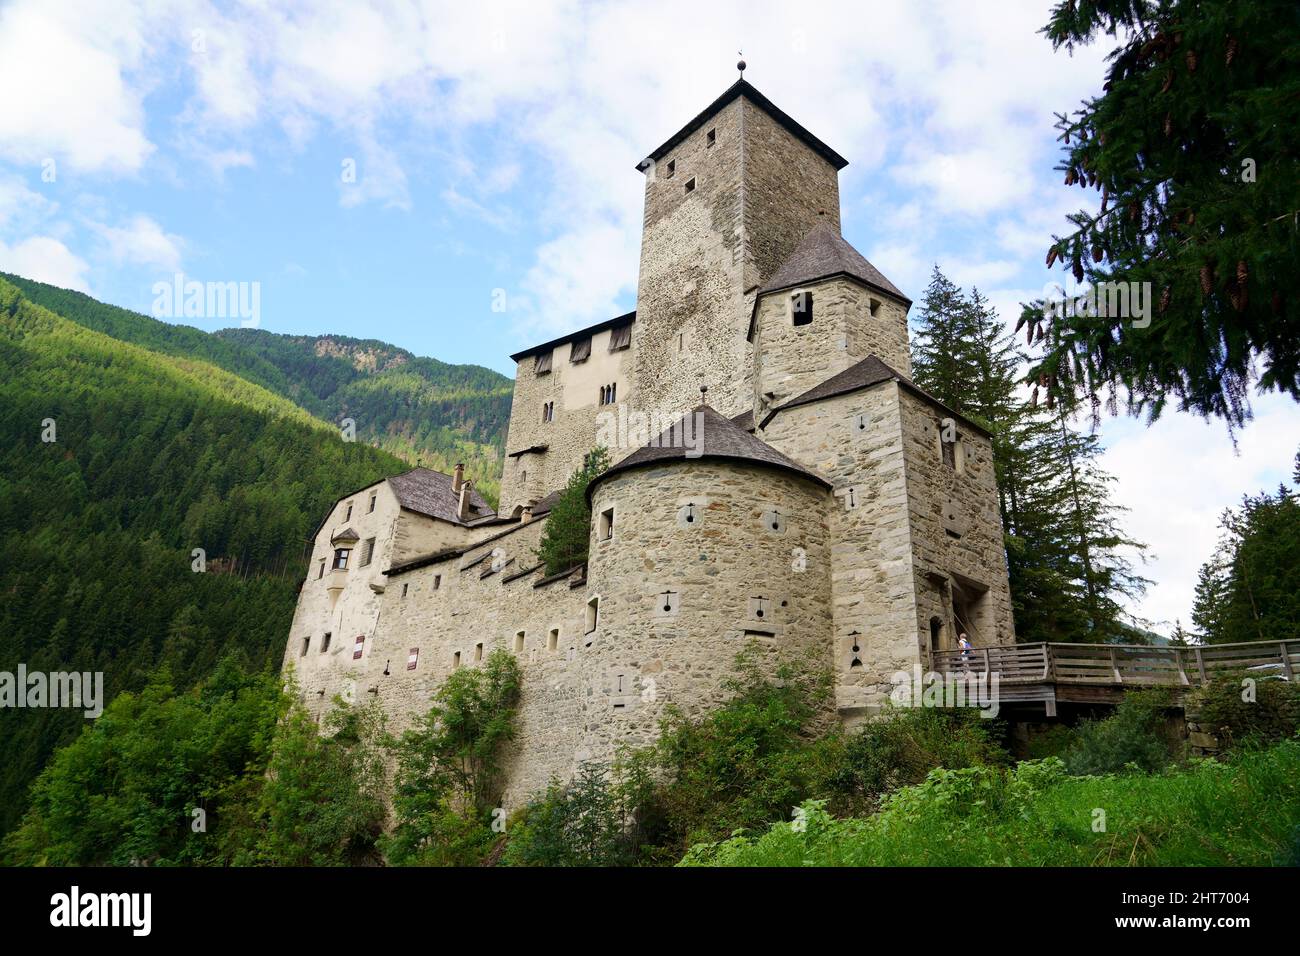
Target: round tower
697, 553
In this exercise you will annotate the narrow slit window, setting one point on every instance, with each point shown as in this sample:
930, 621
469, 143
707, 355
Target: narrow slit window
711, 138
373, 498
325, 642
690, 185
672, 168
306, 645
455, 660
519, 642
478, 652
607, 524
553, 640
593, 614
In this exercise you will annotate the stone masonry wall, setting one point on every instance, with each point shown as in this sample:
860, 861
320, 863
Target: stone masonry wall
856, 441
575, 389
790, 359
956, 526
705, 556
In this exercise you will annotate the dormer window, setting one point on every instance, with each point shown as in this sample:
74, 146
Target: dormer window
801, 307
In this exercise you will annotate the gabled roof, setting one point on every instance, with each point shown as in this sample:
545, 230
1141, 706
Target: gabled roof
743, 88
714, 437
870, 371
428, 492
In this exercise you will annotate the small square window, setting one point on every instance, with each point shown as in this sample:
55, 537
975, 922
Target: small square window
801, 307
359, 647
606, 526
690, 185
413, 659
455, 660
672, 168
711, 138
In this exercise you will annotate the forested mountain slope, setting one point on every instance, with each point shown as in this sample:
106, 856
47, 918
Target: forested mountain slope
422, 410
153, 455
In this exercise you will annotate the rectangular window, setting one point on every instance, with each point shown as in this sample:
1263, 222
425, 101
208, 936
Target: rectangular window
606, 524
580, 351
542, 363
348, 517
672, 168
404, 589
519, 643
372, 504
412, 658
801, 307
593, 614
690, 185
325, 642
478, 653
553, 639
306, 645
455, 660
711, 138
341, 558
359, 647
321, 573
367, 551
437, 581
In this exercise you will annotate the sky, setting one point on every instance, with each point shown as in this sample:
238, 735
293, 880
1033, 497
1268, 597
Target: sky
459, 178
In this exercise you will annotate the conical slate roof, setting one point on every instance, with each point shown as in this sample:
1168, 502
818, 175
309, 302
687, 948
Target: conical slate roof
823, 253
713, 436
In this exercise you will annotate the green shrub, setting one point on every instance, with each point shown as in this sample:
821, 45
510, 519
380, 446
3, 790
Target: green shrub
1137, 736
448, 783
589, 822
1244, 813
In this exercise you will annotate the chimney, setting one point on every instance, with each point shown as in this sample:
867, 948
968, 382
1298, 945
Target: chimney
458, 478
462, 509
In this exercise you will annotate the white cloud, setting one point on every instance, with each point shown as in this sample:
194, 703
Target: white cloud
64, 93
141, 242
1177, 476
46, 260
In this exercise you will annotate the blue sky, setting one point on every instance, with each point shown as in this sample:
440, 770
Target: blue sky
494, 147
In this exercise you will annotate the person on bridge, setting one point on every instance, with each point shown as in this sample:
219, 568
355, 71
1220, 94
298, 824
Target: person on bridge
964, 643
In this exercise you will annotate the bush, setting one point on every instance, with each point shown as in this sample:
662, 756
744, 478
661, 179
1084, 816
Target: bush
1038, 816
589, 822
903, 745
1136, 737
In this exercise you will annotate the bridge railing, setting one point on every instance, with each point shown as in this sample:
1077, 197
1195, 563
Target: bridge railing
1123, 664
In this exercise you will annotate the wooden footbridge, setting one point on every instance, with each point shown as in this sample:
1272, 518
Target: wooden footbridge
1100, 673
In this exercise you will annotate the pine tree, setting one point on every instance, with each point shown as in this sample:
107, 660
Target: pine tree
1192, 148
568, 526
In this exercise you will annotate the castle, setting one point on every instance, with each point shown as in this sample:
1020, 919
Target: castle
813, 499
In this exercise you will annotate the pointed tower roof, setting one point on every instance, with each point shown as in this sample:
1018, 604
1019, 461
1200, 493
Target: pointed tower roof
824, 253
714, 437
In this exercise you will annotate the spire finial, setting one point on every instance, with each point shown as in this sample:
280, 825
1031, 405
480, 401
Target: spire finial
741, 65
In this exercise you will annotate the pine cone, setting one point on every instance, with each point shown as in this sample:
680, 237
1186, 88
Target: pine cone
1033, 398
1077, 265
1051, 258
1097, 253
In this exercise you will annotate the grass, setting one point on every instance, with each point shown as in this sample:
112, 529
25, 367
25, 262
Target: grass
1245, 812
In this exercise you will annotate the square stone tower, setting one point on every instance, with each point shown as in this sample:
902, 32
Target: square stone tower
728, 198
